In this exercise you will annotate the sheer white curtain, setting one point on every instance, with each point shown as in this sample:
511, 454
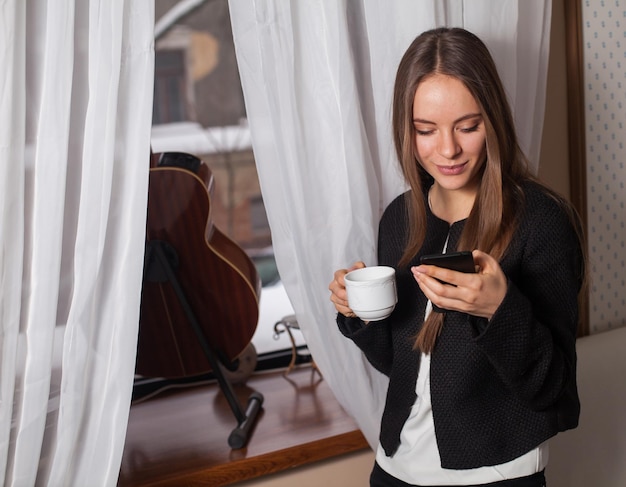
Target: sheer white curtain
75, 116
317, 79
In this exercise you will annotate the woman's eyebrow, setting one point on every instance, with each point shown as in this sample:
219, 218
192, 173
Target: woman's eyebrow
460, 119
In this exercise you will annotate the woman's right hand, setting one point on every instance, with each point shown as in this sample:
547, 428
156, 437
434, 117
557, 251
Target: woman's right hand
337, 289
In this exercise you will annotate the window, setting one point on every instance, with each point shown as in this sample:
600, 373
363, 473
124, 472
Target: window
170, 97
199, 109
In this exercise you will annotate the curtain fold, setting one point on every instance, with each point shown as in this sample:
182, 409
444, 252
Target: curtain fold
317, 79
75, 108
12, 175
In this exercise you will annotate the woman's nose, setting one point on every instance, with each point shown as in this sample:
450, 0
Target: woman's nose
448, 146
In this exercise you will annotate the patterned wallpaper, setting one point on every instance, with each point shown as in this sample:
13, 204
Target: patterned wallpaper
604, 51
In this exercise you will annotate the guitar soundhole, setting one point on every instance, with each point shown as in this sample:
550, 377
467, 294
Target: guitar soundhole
180, 159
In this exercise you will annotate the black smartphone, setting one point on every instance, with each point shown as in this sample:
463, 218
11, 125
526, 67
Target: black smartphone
457, 261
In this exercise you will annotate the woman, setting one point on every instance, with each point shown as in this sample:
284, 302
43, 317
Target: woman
477, 387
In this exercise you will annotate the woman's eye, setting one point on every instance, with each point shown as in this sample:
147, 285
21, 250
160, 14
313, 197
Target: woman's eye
423, 132
467, 130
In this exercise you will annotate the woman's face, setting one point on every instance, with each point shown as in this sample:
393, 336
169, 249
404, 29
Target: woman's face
449, 133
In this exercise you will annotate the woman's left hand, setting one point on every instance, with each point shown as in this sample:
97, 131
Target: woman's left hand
478, 294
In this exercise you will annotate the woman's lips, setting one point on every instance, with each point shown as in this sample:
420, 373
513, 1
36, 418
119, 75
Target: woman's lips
452, 170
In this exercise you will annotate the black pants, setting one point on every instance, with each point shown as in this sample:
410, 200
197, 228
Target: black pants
380, 478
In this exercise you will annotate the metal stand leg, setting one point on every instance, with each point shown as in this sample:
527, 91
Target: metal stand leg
245, 420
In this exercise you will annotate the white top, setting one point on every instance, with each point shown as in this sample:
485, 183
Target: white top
417, 459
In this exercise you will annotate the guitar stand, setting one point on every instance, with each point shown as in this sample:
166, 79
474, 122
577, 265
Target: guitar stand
166, 259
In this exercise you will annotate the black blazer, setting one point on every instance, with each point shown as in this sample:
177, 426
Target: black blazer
501, 387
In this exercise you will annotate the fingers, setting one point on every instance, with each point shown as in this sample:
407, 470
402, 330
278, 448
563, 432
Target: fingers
337, 288
443, 287
442, 275
484, 262
357, 265
479, 294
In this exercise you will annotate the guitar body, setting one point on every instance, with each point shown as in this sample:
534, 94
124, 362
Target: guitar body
219, 281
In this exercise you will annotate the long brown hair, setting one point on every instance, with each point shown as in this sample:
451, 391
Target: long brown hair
458, 53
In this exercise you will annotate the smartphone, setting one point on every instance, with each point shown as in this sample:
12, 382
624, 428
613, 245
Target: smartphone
457, 261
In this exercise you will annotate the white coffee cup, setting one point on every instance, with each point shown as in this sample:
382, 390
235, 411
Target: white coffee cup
372, 293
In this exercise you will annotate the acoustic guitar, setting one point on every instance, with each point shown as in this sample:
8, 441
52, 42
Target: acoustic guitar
219, 282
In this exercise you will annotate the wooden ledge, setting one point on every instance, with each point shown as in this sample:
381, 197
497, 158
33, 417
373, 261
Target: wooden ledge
180, 437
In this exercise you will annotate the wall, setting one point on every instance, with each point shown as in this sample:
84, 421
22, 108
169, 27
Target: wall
554, 156
604, 50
